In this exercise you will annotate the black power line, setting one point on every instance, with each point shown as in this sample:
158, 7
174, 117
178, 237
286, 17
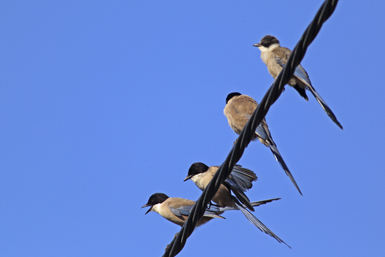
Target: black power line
244, 138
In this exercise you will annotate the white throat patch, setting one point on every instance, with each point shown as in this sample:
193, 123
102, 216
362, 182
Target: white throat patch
197, 179
155, 208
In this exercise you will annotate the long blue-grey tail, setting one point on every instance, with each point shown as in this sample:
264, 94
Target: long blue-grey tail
301, 74
278, 157
324, 106
232, 208
263, 132
259, 224
259, 203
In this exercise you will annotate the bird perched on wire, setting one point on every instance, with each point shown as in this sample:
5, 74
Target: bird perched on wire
177, 209
238, 111
238, 181
275, 57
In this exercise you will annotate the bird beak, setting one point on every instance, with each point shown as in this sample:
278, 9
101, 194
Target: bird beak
146, 205
257, 45
187, 178
148, 210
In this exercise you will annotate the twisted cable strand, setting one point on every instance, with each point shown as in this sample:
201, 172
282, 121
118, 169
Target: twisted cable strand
245, 137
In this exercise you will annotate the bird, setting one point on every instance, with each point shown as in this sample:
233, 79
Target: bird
238, 111
201, 175
275, 57
177, 209
239, 181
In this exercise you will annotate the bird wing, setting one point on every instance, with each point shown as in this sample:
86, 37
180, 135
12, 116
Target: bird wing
179, 212
239, 181
185, 211
180, 206
302, 75
242, 177
263, 133
239, 194
278, 56
281, 55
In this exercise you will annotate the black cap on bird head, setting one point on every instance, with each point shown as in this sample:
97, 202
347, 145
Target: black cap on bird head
267, 41
231, 95
155, 199
196, 168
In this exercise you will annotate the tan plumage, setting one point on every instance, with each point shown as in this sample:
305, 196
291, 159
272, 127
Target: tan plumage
275, 57
169, 207
223, 196
282, 53
176, 202
239, 181
238, 111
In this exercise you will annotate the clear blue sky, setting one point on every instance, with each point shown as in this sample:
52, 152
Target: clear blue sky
104, 104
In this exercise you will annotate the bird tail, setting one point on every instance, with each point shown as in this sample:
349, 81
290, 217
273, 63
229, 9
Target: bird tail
301, 91
302, 76
324, 105
258, 223
278, 157
258, 203
254, 204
